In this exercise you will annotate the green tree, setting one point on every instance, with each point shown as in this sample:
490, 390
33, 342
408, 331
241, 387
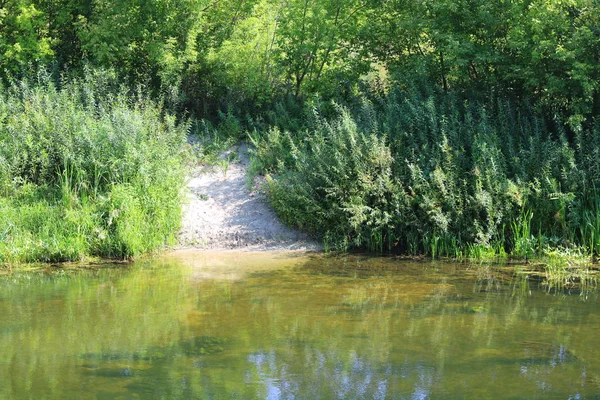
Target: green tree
24, 37
245, 61
555, 48
317, 43
540, 50
140, 38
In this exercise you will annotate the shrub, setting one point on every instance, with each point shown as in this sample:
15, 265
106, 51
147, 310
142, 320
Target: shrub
431, 172
336, 183
84, 171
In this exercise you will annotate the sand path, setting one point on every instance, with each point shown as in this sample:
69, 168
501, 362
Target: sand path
224, 213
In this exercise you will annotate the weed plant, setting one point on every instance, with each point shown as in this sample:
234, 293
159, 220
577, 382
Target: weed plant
430, 172
336, 183
86, 170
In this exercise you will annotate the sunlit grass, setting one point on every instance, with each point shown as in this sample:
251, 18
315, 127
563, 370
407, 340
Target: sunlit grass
86, 170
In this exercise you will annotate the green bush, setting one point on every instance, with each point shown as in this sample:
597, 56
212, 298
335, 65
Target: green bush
428, 172
84, 171
336, 183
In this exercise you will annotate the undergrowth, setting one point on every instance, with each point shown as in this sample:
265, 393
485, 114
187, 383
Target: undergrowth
86, 170
427, 172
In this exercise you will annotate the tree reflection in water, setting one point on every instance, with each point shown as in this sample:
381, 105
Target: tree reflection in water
316, 327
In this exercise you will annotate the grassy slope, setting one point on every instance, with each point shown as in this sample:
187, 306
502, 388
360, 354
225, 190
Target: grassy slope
86, 170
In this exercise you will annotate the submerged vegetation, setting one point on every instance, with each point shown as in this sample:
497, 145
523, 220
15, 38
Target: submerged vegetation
444, 128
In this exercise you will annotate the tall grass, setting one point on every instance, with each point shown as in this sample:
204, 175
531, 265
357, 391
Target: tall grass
86, 170
426, 172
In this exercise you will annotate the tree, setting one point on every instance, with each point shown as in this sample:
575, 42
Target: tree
555, 48
24, 37
245, 61
318, 38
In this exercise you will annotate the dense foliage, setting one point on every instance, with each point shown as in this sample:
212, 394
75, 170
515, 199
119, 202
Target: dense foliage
243, 54
436, 126
86, 170
430, 173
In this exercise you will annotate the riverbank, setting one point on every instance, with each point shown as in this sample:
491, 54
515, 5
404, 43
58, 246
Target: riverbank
224, 211
86, 171
105, 177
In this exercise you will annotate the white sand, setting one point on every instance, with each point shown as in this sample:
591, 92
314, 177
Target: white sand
223, 213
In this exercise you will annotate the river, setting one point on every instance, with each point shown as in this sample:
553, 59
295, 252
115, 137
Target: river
193, 325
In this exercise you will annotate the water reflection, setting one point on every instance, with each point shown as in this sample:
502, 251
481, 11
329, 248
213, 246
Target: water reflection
271, 328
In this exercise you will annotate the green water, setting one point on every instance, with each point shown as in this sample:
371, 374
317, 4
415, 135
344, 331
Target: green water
206, 326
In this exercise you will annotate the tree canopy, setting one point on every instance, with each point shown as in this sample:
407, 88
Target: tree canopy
247, 52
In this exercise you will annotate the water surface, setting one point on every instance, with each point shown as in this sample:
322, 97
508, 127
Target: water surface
277, 326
